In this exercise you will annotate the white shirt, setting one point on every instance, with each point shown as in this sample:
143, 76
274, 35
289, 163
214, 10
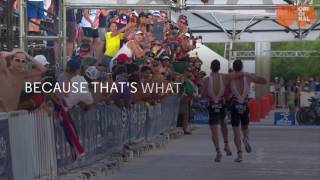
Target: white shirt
92, 15
74, 98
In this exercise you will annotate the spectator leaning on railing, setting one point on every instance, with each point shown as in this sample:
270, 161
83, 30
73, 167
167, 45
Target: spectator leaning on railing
14, 72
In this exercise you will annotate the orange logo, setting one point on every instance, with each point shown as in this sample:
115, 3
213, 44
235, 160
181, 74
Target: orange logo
302, 15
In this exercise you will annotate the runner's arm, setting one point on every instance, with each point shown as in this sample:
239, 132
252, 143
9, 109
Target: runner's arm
3, 62
257, 79
235, 75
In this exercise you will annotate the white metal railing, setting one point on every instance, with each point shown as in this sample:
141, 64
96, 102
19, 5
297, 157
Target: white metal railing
40, 150
32, 145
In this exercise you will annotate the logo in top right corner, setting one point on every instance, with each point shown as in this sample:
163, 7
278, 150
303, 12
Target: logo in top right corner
300, 14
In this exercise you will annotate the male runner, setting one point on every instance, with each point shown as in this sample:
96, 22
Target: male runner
240, 88
214, 89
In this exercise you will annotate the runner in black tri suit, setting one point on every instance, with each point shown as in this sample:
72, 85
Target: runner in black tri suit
239, 89
214, 90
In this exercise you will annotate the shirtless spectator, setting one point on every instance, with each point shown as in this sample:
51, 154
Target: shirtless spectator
13, 74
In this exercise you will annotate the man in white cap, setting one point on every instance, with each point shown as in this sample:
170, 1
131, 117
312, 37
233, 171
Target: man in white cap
41, 59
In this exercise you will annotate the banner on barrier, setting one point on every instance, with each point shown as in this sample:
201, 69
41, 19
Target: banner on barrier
200, 117
284, 118
5, 152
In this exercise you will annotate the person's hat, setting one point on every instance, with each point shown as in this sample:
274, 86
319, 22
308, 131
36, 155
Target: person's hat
41, 59
156, 42
122, 58
156, 13
139, 32
188, 35
183, 17
150, 54
165, 58
142, 14
134, 13
73, 64
92, 73
85, 47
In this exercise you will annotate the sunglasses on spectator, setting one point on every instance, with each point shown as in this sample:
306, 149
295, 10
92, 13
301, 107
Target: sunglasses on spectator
20, 60
182, 22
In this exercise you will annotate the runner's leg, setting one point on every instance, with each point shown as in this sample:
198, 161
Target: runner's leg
235, 121
224, 131
245, 130
215, 140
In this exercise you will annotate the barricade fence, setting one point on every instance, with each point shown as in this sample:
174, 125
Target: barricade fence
40, 147
32, 145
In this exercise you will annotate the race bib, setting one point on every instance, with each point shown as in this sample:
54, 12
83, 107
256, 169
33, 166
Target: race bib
216, 107
241, 108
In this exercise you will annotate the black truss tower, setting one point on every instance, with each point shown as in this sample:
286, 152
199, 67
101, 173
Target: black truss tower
9, 26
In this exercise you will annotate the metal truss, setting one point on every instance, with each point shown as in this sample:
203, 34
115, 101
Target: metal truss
251, 54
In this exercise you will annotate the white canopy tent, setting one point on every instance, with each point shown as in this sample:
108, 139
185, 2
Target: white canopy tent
234, 20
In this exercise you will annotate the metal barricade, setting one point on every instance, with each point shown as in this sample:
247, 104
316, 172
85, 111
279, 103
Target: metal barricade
40, 148
100, 131
137, 122
170, 111
32, 145
154, 117
5, 150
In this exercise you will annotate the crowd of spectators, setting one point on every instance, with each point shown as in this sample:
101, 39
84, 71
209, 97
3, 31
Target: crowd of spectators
106, 45
288, 92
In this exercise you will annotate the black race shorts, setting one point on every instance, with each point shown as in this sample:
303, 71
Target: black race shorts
239, 114
217, 113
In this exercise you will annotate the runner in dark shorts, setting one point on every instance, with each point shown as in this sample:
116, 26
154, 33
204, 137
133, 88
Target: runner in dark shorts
214, 90
240, 89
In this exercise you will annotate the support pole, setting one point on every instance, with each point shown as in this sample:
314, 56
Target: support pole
22, 25
63, 36
263, 64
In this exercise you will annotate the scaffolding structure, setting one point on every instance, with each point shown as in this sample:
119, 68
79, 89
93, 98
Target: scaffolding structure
9, 26
284, 54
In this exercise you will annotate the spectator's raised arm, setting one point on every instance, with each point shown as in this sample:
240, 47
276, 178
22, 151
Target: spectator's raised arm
3, 61
138, 51
38, 69
257, 79
204, 89
122, 30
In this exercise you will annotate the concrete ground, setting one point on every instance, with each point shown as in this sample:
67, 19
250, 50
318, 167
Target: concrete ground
279, 153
